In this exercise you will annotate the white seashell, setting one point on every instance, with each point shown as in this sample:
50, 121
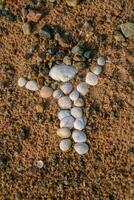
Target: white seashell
63, 113
64, 102
96, 69
79, 136
79, 102
66, 88
74, 95
81, 148
101, 61
77, 112
57, 94
83, 88
64, 132
31, 85
46, 92
91, 78
39, 164
62, 72
22, 82
79, 124
67, 122
65, 144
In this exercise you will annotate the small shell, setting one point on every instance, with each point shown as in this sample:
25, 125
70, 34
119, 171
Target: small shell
64, 132
31, 85
96, 69
79, 124
81, 148
79, 136
79, 102
101, 61
65, 144
74, 95
66, 88
67, 122
63, 113
57, 94
77, 112
46, 92
39, 164
83, 88
22, 82
65, 102
91, 78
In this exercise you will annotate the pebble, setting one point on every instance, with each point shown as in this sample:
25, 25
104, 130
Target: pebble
77, 112
88, 54
64, 132
39, 108
65, 144
57, 94
39, 164
96, 70
83, 88
79, 136
81, 148
65, 102
62, 72
67, 122
31, 85
79, 102
91, 79
46, 92
67, 60
72, 3
22, 82
63, 113
34, 16
66, 88
26, 27
127, 29
101, 61
79, 124
76, 50
74, 95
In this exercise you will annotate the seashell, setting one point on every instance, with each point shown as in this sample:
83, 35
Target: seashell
63, 113
62, 72
101, 61
79, 124
81, 148
39, 164
22, 82
67, 122
74, 95
79, 102
46, 92
83, 88
66, 88
91, 78
79, 136
57, 94
96, 69
64, 132
31, 85
77, 112
64, 102
65, 144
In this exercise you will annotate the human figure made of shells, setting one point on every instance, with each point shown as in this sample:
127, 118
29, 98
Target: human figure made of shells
70, 100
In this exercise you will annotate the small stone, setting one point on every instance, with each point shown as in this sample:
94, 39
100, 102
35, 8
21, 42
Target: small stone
63, 113
79, 102
74, 95
65, 144
67, 60
96, 70
62, 72
77, 112
89, 25
39, 108
79, 136
45, 32
26, 29
24, 134
83, 88
79, 124
91, 79
88, 54
76, 50
31, 85
39, 164
81, 148
72, 3
127, 29
67, 122
34, 16
119, 37
46, 92
61, 41
101, 61
66, 88
57, 94
22, 82
64, 132
65, 102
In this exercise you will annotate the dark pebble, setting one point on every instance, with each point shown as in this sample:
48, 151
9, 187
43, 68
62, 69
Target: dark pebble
103, 37
111, 197
24, 134
45, 32
88, 54
4, 160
